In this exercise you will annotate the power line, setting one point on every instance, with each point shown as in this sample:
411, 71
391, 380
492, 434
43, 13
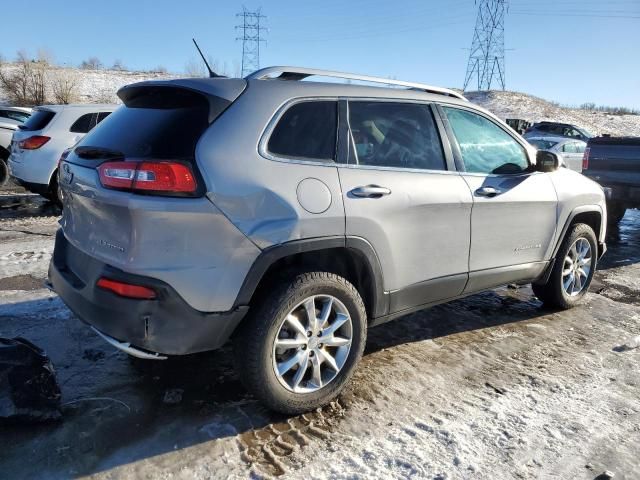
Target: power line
251, 39
486, 59
569, 14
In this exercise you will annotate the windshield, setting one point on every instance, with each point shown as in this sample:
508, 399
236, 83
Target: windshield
543, 144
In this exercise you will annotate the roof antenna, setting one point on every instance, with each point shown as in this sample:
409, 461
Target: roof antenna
212, 74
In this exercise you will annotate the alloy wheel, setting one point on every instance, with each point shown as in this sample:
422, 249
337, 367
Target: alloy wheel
312, 344
577, 267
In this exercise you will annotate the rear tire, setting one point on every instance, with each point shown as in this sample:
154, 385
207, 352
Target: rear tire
55, 192
280, 356
576, 259
4, 172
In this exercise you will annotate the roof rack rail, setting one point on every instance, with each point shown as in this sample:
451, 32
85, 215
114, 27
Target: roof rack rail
298, 73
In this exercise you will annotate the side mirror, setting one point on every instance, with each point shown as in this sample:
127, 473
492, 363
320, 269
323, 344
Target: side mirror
547, 161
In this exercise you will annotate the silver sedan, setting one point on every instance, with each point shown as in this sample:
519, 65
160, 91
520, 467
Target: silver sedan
569, 151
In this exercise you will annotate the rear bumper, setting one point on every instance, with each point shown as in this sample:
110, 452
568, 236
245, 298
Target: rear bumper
165, 325
35, 167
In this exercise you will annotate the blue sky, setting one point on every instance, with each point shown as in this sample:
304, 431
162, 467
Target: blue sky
570, 51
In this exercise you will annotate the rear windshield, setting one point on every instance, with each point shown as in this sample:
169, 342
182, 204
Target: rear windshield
153, 124
39, 120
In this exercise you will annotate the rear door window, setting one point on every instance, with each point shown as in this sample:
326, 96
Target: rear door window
84, 123
397, 135
38, 120
307, 130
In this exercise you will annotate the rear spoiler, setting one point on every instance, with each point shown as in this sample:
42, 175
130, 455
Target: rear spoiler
219, 92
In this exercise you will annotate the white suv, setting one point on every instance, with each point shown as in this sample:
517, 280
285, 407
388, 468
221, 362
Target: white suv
39, 143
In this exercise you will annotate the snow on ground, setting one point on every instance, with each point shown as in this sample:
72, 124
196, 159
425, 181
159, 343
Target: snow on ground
26, 245
491, 386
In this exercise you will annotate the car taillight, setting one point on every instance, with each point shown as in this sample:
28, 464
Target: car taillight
160, 177
33, 143
126, 289
585, 158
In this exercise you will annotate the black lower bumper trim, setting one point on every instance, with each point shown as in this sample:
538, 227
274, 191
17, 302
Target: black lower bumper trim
166, 325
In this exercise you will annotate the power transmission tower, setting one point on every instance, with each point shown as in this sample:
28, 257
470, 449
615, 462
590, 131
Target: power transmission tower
251, 39
486, 60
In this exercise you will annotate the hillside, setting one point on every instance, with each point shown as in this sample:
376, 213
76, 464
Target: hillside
100, 86
520, 105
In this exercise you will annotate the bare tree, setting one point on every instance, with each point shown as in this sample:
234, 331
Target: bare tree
45, 55
159, 69
91, 63
38, 83
64, 84
118, 65
195, 68
25, 82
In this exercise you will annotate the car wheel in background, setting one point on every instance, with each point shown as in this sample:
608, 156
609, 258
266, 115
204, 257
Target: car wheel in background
55, 192
4, 172
301, 342
573, 269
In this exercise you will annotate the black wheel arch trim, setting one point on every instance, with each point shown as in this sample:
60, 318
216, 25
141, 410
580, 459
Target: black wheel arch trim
270, 255
574, 213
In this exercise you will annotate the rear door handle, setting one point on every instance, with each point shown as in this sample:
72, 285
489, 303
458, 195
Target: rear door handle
488, 192
370, 191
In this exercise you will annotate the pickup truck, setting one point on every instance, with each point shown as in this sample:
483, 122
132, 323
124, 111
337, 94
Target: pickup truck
614, 162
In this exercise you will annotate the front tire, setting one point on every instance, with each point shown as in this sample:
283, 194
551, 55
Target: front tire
573, 269
301, 342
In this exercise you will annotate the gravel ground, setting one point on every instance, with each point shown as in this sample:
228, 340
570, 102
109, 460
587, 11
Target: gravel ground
492, 386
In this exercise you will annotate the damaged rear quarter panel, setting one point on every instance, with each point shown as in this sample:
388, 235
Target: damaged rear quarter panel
258, 194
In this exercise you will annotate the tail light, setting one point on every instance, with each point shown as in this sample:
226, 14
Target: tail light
33, 143
585, 158
126, 289
163, 177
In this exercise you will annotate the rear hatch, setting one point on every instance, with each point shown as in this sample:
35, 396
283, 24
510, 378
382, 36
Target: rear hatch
31, 135
132, 185
614, 161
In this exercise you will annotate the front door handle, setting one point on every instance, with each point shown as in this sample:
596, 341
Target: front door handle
488, 192
370, 191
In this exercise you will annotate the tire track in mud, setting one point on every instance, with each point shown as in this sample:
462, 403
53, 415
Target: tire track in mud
269, 450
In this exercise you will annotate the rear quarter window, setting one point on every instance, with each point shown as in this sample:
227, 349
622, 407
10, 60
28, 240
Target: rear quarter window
38, 120
83, 124
307, 130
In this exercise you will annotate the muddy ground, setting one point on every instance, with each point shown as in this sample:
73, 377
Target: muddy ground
492, 386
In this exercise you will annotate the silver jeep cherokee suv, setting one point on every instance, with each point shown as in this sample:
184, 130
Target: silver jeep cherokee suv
290, 216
